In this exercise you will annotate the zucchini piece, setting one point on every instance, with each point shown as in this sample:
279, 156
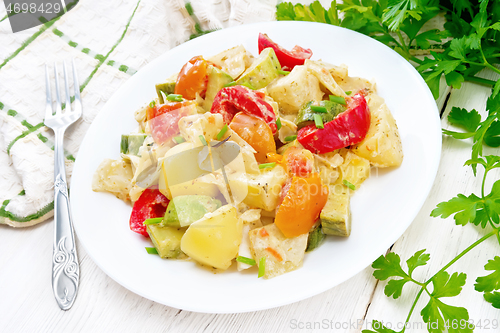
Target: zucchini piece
335, 216
306, 114
167, 88
217, 79
295, 143
186, 209
131, 143
263, 70
166, 240
316, 237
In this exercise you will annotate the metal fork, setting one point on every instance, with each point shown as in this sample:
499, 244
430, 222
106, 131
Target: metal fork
65, 267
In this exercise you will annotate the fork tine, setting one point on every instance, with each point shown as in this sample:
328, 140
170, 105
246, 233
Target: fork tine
48, 98
66, 88
76, 84
58, 97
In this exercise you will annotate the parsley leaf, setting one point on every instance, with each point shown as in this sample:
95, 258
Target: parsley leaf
487, 131
493, 298
443, 314
463, 207
467, 119
390, 266
446, 285
315, 12
418, 259
492, 281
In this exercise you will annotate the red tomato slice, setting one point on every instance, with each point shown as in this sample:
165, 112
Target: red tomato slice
231, 100
288, 59
348, 128
150, 204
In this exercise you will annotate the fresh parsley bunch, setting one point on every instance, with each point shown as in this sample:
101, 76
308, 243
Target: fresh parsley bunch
467, 43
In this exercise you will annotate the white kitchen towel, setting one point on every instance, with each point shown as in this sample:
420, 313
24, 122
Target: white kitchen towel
110, 41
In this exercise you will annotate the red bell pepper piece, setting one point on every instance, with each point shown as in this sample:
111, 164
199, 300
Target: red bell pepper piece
152, 203
164, 119
348, 128
231, 100
287, 59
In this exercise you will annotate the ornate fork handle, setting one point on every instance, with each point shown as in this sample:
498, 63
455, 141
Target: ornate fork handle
65, 267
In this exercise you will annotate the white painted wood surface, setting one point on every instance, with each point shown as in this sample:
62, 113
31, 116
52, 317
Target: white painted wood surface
27, 303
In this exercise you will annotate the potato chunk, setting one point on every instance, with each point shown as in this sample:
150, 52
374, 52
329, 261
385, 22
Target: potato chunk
295, 89
215, 239
282, 254
115, 177
264, 188
382, 144
251, 220
233, 61
355, 169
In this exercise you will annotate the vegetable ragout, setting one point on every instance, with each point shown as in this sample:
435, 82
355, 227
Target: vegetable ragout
249, 159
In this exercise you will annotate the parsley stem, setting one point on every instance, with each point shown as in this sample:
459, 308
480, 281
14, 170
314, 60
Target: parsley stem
493, 68
413, 307
482, 183
335, 12
480, 80
464, 252
402, 41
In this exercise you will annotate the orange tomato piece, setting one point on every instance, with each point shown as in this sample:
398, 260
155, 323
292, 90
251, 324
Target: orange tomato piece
301, 206
256, 132
192, 78
299, 162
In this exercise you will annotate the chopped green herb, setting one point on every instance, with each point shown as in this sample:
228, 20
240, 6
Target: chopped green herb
278, 123
318, 121
348, 184
317, 108
223, 131
262, 267
202, 139
179, 139
230, 84
151, 250
246, 260
152, 104
267, 165
174, 98
348, 92
290, 138
282, 72
153, 221
338, 99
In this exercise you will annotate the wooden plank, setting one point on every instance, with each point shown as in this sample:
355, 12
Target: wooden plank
442, 238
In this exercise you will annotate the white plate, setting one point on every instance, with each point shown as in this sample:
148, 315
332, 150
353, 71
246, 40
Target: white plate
382, 209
